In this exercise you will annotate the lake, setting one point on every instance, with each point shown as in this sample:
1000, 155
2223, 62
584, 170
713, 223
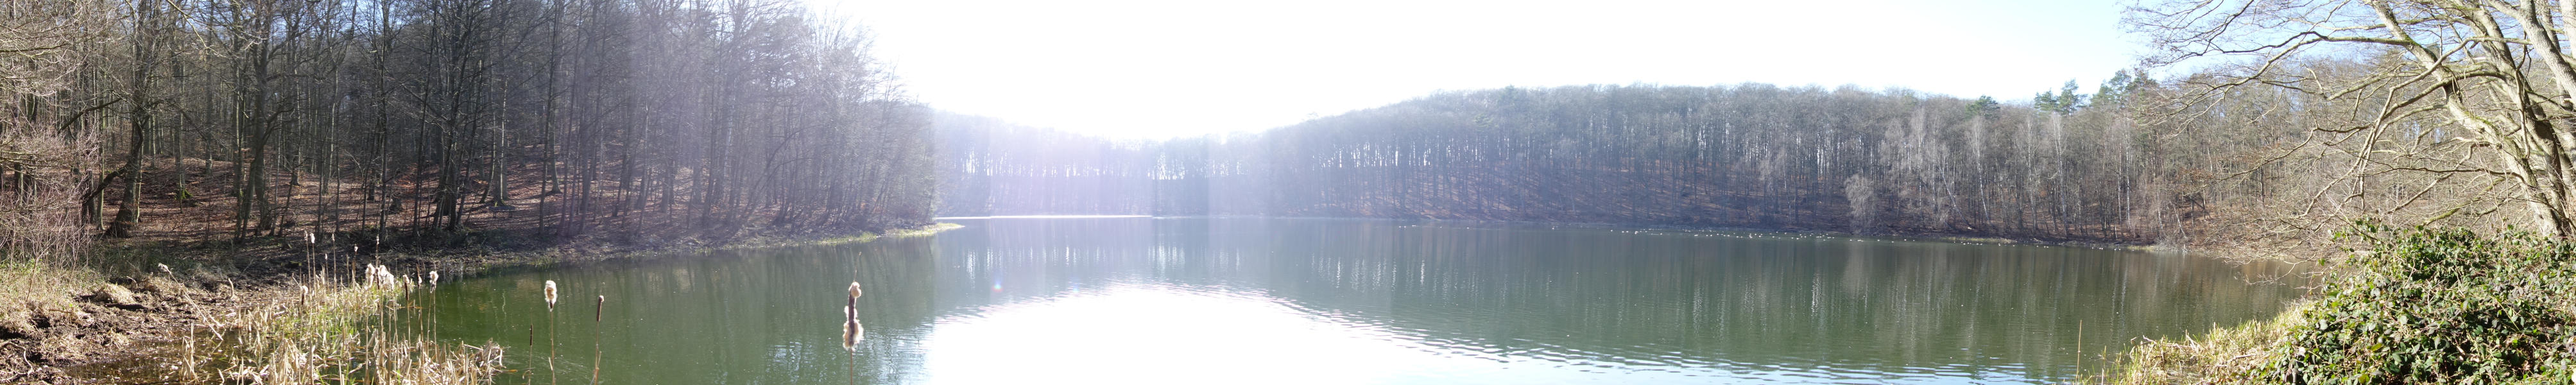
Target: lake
1264, 300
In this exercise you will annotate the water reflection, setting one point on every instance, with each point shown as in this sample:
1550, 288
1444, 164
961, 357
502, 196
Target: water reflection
1194, 300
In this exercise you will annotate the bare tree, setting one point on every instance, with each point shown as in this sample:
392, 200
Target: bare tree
39, 42
2458, 89
149, 30
48, 139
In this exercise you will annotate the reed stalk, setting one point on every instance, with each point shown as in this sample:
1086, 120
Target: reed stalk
594, 338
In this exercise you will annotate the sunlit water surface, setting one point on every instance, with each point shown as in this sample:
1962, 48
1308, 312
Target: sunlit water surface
1303, 301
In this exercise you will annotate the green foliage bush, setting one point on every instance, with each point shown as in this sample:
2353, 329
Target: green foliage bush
2427, 305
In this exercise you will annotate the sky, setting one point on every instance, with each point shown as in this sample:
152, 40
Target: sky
1150, 69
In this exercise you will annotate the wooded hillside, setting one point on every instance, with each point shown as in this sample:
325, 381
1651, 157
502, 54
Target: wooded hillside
385, 118
2132, 162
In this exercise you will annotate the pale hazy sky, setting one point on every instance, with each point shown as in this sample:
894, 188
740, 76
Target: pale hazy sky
1151, 69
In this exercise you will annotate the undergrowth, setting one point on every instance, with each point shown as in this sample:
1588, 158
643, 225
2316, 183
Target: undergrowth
2420, 305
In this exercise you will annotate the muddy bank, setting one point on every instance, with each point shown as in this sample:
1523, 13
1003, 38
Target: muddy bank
107, 321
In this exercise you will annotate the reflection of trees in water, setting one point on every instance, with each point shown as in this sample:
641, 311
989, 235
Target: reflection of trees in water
1687, 299
1507, 291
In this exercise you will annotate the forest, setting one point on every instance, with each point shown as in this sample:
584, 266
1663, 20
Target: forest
290, 169
381, 120
2131, 162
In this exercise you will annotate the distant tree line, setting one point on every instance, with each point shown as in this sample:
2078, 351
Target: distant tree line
990, 166
2073, 166
389, 117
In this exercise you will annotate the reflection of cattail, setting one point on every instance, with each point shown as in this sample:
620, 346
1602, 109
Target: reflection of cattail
849, 329
594, 338
550, 295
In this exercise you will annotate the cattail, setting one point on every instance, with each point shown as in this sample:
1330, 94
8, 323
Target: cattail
550, 295
379, 275
433, 277
850, 320
603, 308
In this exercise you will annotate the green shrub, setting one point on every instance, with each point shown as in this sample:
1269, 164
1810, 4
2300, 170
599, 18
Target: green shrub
2427, 305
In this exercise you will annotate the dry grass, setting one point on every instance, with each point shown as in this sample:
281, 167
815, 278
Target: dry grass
922, 231
330, 330
786, 240
31, 291
2231, 355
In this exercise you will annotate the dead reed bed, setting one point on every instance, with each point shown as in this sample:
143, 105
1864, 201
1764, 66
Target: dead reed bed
2229, 355
362, 330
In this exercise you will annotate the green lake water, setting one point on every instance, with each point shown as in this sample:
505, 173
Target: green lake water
1339, 301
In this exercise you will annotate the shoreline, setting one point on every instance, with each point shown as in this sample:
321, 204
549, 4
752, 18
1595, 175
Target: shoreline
560, 255
1944, 238
91, 328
